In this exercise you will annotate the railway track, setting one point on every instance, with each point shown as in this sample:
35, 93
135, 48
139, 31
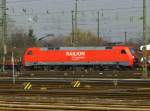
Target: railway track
77, 74
69, 82
55, 91
76, 100
126, 94
56, 103
101, 87
65, 107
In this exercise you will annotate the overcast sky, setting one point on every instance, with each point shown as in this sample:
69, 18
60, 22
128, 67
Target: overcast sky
54, 16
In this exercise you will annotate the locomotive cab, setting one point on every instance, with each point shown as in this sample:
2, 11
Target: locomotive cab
28, 58
135, 58
126, 56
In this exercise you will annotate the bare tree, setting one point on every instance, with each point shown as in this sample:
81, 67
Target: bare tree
83, 39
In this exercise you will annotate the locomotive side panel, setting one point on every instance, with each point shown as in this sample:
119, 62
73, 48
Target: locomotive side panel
119, 55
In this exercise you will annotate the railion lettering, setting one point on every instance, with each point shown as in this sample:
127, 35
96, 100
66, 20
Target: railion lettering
75, 53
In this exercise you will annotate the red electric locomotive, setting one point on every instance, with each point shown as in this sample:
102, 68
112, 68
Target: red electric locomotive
69, 57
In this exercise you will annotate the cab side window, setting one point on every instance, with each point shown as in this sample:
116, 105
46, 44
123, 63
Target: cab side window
123, 52
29, 52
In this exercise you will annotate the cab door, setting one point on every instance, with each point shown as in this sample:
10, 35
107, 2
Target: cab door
124, 57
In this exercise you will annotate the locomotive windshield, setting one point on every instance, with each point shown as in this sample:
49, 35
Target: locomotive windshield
123, 52
29, 52
132, 51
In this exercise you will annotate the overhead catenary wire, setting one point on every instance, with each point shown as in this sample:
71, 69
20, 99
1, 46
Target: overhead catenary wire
24, 1
82, 14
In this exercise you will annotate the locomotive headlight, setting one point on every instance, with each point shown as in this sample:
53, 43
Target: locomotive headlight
134, 59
